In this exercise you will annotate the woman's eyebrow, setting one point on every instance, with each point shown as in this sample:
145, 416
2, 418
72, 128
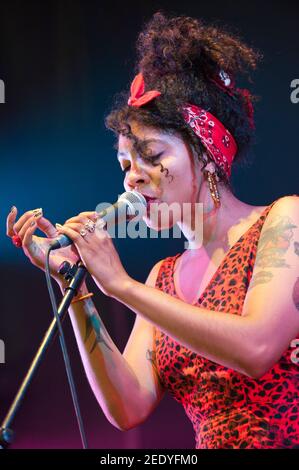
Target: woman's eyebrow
140, 141
148, 141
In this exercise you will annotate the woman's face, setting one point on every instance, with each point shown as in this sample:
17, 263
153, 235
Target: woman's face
166, 171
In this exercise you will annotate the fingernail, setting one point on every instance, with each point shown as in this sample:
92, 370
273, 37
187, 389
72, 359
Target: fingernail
38, 212
58, 225
12, 208
32, 223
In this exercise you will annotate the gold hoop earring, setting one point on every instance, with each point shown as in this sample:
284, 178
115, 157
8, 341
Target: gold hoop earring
212, 182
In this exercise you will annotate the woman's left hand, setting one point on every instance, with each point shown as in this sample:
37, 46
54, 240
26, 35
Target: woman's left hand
96, 251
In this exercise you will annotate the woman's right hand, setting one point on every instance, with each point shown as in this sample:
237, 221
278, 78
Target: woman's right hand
34, 247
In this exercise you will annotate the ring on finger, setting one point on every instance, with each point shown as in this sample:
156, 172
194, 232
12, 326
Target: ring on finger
100, 223
83, 232
17, 241
90, 225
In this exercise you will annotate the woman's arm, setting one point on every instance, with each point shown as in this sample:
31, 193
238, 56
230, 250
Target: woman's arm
126, 385
250, 343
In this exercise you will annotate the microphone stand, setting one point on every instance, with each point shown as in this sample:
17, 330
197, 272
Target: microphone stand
76, 275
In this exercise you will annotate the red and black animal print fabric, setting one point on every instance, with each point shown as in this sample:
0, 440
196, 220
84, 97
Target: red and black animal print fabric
229, 409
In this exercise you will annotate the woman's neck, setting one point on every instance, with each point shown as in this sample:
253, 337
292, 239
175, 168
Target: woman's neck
217, 225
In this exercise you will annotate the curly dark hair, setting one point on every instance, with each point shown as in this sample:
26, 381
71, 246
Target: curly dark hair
176, 56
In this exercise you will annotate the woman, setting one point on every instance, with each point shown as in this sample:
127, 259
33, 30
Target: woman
214, 324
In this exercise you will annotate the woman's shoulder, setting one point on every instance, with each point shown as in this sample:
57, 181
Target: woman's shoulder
284, 206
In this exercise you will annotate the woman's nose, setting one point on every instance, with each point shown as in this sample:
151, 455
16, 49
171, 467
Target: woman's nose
136, 176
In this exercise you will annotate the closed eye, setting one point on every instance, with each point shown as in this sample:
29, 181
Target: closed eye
150, 158
153, 157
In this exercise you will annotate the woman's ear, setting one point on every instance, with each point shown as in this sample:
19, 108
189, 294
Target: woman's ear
196, 158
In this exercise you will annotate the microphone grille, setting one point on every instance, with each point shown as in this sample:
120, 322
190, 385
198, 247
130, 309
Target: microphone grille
133, 197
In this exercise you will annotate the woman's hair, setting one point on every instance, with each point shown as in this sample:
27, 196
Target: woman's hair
176, 56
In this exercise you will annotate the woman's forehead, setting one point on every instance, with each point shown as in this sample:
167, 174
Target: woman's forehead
141, 132
145, 135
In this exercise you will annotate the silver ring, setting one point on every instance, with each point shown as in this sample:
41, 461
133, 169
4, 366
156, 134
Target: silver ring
90, 225
96, 216
100, 223
83, 232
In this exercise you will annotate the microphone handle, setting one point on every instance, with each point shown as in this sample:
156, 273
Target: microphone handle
60, 242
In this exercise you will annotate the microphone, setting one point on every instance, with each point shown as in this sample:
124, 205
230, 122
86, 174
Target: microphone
129, 205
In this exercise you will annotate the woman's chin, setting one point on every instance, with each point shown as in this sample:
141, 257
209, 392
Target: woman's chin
156, 222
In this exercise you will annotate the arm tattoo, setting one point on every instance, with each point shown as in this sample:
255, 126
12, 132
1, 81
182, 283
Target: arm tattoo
296, 285
273, 245
151, 356
93, 323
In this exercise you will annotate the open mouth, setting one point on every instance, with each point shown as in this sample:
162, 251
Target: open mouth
148, 198
149, 202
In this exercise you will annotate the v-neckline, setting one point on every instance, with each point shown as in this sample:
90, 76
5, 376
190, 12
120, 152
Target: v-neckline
208, 286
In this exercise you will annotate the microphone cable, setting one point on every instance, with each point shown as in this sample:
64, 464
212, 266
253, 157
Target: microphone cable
65, 353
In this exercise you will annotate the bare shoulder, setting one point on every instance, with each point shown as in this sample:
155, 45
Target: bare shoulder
282, 204
287, 201
278, 246
285, 211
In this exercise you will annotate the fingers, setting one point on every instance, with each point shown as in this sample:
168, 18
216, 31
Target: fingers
72, 231
31, 226
13, 227
46, 226
25, 226
75, 235
83, 216
20, 227
10, 220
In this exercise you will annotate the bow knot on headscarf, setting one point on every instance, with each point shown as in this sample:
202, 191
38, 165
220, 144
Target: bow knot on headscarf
138, 97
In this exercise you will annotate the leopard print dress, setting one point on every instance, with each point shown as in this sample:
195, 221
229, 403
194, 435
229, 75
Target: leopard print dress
229, 409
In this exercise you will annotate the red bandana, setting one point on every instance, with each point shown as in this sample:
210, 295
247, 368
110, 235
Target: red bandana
215, 137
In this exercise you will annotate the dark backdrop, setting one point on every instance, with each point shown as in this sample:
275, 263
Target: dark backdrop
62, 62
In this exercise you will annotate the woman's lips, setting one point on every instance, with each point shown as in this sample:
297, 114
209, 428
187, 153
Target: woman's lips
149, 202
